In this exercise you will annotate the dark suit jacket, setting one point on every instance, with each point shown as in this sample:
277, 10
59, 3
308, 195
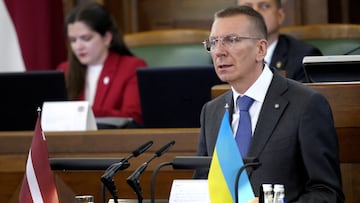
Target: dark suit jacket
288, 55
294, 140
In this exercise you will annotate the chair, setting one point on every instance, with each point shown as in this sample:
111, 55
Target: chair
331, 39
172, 47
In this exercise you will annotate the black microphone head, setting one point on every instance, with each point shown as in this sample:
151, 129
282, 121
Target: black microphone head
164, 149
142, 148
250, 159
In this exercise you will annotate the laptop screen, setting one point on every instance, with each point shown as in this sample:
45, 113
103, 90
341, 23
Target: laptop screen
337, 68
23, 92
172, 97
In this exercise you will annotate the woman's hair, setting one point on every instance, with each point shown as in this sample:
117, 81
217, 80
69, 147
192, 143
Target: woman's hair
98, 19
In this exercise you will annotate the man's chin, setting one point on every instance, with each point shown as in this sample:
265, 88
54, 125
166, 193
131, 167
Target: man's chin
225, 78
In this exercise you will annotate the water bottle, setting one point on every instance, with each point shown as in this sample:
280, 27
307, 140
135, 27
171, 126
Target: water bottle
279, 194
268, 193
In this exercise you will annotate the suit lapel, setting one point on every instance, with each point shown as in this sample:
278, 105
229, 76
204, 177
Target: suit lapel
270, 113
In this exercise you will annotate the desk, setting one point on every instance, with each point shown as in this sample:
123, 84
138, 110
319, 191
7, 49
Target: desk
14, 147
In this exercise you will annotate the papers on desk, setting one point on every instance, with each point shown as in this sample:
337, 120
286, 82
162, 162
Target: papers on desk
67, 116
194, 191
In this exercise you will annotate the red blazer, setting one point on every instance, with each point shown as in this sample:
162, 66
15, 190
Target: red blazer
117, 93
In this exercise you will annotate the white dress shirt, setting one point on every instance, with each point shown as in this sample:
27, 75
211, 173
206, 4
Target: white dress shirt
257, 91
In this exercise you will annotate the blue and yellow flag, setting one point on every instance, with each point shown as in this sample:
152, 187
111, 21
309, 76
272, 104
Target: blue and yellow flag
225, 164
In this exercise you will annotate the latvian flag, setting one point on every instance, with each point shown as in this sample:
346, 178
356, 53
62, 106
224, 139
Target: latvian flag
38, 185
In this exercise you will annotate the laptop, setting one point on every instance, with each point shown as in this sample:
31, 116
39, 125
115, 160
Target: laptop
336, 68
172, 97
23, 92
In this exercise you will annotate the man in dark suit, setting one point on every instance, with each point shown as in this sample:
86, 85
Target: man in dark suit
293, 133
285, 53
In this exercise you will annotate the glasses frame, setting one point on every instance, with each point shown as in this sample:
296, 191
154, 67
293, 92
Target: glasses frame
228, 40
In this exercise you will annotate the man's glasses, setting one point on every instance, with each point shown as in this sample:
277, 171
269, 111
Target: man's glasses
227, 41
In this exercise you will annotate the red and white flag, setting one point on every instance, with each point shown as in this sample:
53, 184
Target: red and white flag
38, 185
32, 35
10, 54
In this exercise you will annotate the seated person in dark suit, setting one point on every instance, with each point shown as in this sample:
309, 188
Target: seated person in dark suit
284, 52
292, 129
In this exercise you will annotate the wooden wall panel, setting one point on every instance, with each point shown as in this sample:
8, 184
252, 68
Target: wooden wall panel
141, 15
159, 14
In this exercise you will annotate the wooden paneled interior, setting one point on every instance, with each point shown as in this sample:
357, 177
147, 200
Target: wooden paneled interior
160, 14
323, 31
166, 37
141, 15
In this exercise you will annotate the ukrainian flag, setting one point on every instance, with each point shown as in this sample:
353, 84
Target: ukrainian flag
224, 166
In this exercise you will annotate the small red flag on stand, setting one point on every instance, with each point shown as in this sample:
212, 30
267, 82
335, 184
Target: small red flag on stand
38, 184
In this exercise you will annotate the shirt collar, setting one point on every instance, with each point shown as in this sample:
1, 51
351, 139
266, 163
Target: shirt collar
258, 90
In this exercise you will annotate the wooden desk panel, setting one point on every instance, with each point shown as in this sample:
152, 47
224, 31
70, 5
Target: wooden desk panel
14, 147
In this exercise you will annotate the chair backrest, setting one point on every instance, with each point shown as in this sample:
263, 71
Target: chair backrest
174, 47
331, 39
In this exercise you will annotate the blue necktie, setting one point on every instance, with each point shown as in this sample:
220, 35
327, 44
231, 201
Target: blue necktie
243, 133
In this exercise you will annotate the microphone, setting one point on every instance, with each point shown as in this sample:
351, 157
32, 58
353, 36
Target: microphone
133, 179
248, 162
107, 178
352, 50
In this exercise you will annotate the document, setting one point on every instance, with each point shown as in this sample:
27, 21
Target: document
194, 191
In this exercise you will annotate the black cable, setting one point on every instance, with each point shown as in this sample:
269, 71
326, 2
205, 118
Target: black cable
242, 168
153, 179
102, 193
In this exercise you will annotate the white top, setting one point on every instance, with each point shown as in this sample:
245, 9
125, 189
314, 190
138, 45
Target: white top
257, 91
91, 80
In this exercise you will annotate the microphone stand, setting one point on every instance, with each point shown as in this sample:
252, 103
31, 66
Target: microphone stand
133, 179
352, 50
255, 165
107, 179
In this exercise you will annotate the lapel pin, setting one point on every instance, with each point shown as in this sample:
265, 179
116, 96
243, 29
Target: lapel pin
106, 80
276, 106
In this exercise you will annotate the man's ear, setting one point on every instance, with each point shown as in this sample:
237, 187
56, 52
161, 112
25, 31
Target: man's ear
261, 49
281, 15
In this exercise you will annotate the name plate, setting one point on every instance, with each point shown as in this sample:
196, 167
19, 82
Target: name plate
67, 116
